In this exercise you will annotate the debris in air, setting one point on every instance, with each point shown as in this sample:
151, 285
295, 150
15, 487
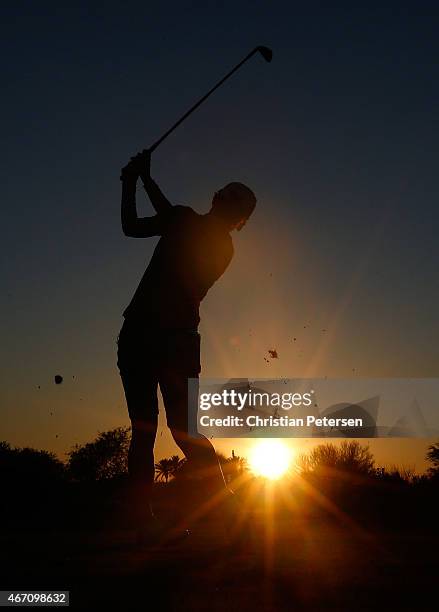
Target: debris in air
58, 379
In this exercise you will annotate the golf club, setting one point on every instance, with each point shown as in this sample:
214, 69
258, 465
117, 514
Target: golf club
266, 53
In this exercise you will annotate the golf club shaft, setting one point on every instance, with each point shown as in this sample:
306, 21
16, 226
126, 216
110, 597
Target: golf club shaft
197, 104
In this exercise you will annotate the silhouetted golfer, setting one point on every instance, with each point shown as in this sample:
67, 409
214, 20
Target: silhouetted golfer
159, 343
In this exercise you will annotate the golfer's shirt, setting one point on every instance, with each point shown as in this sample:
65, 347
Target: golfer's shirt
193, 252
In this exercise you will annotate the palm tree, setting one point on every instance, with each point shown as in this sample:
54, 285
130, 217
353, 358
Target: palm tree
176, 464
164, 469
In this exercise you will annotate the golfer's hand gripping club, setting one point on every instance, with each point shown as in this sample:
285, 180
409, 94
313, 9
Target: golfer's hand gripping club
138, 166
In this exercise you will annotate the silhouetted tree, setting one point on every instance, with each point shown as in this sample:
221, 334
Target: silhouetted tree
350, 456
104, 458
433, 456
6, 454
30, 466
235, 466
396, 474
176, 464
354, 457
164, 468
5, 447
222, 459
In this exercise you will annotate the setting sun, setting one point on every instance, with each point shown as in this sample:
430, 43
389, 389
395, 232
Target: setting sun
270, 458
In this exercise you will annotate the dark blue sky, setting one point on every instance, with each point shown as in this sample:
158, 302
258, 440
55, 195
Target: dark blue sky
338, 137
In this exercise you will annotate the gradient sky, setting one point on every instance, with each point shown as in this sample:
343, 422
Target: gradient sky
338, 137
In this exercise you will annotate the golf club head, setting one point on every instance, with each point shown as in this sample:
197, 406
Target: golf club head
266, 53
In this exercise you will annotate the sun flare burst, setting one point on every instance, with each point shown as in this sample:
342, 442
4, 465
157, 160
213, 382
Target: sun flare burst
270, 458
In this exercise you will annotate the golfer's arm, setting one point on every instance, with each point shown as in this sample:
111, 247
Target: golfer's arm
160, 202
132, 226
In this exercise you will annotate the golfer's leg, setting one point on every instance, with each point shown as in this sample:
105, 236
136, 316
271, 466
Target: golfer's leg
140, 386
199, 452
141, 397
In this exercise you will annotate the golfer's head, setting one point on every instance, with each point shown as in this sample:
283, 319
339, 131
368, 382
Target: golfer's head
234, 203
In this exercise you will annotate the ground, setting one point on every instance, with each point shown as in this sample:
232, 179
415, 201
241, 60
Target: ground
295, 560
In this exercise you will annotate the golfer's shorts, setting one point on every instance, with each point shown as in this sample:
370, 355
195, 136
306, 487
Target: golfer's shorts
149, 352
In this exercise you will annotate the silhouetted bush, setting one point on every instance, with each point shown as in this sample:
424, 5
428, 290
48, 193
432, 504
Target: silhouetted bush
19, 466
433, 456
349, 457
397, 474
